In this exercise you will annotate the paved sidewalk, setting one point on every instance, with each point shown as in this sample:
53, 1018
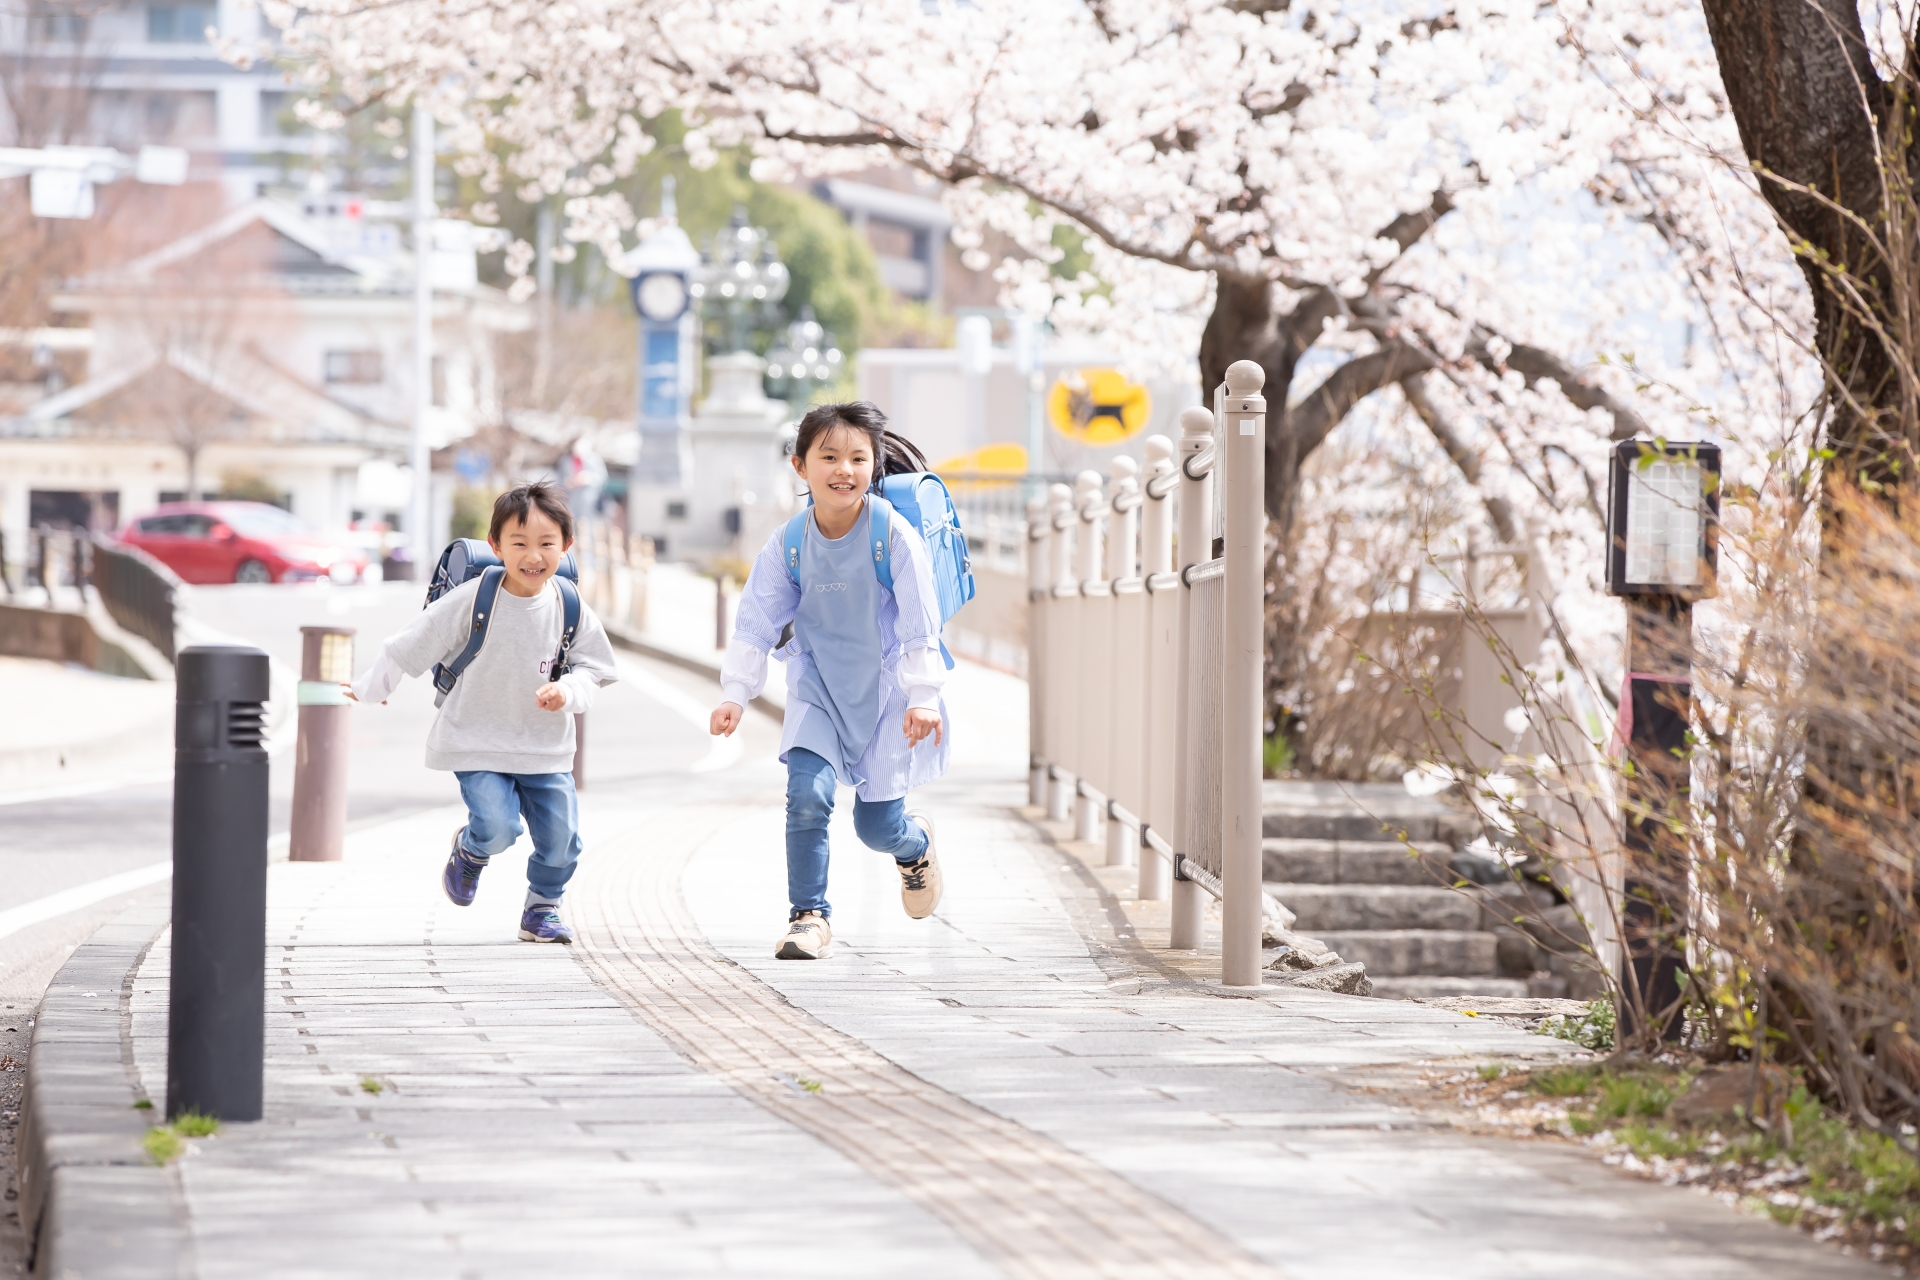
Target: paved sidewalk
1011, 1088
1020, 1086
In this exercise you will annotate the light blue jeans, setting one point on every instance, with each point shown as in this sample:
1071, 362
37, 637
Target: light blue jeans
495, 804
880, 824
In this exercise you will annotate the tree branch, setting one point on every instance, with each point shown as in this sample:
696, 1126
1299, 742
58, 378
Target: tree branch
1463, 456
1320, 305
1309, 421
1535, 363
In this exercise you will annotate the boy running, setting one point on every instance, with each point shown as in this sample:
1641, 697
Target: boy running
506, 729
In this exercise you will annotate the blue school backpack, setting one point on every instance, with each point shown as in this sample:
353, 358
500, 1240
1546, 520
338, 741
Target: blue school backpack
922, 498
468, 558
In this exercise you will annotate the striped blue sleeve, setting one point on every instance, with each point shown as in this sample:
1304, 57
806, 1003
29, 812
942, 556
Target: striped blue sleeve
918, 626
771, 598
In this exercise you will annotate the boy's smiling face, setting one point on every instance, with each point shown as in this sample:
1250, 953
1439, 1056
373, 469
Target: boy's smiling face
531, 551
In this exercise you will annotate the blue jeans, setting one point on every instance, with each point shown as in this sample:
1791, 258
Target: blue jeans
880, 824
495, 804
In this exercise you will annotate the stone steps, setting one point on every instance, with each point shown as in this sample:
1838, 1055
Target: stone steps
1428, 986
1294, 860
1392, 953
1320, 908
1383, 877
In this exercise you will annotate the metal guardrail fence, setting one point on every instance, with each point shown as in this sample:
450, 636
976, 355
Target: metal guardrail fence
137, 590
1145, 681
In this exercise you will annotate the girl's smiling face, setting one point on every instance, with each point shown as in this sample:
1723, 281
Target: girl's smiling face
838, 470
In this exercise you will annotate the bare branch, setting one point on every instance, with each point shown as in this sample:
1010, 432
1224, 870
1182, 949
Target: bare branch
1309, 421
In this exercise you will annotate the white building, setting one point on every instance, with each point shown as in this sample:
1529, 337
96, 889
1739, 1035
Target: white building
121, 75
279, 347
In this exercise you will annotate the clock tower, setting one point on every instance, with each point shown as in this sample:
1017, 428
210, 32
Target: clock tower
662, 270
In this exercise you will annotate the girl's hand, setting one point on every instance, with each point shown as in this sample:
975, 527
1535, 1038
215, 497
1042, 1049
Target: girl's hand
920, 723
550, 696
726, 718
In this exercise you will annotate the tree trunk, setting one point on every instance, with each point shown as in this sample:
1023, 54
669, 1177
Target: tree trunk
192, 453
1244, 326
1809, 107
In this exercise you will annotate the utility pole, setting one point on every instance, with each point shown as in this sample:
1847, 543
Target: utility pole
419, 454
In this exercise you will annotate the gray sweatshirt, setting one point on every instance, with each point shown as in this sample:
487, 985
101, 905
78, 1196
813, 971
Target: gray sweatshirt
490, 721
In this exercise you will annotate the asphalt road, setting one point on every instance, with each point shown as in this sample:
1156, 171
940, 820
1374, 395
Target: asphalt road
643, 732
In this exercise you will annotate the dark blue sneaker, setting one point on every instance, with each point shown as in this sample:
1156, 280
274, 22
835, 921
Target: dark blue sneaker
461, 879
542, 923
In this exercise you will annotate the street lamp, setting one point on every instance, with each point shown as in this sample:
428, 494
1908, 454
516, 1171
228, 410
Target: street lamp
1663, 508
804, 358
743, 273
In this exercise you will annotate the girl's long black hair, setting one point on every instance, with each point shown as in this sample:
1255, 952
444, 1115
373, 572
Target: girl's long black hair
892, 453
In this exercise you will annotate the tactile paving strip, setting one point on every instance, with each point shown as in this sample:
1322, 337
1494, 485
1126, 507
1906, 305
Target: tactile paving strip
1030, 1205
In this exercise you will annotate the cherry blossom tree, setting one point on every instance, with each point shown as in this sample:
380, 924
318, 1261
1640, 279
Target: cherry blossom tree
1254, 179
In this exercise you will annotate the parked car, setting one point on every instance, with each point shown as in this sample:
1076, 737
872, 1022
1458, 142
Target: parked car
245, 542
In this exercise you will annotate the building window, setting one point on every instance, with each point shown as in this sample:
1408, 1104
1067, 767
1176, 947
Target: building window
357, 367
58, 28
180, 23
676, 511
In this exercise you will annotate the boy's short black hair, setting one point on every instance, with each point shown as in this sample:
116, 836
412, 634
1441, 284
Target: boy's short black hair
515, 504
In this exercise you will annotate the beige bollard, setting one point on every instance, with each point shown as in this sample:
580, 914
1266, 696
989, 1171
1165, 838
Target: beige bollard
1188, 927
1242, 434
325, 733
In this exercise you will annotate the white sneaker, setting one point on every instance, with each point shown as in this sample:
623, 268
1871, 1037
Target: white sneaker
806, 938
920, 881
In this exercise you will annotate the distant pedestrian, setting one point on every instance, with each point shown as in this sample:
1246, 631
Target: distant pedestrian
506, 728
863, 658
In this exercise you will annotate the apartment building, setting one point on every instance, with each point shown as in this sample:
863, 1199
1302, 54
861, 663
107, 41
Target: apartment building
123, 75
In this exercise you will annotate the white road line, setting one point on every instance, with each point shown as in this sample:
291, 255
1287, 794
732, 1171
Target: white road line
724, 753
15, 919
67, 790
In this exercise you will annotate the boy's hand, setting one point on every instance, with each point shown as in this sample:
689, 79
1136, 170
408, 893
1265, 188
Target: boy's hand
354, 697
726, 718
920, 723
550, 696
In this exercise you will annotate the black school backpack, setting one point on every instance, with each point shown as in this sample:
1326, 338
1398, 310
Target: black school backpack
468, 558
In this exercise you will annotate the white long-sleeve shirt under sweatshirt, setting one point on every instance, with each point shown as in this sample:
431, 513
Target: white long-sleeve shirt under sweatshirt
490, 721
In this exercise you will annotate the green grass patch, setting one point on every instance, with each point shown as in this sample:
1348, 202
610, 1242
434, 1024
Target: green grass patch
1491, 1071
162, 1144
1810, 1168
1563, 1082
1591, 1030
192, 1124
369, 1085
144, 1104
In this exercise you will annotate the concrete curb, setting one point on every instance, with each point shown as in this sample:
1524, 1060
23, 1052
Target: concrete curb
93, 1204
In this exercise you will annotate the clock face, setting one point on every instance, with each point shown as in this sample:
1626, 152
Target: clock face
663, 296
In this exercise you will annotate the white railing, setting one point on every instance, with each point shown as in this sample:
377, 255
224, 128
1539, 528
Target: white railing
1145, 682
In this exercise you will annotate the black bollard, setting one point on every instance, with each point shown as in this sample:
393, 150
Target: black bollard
216, 1018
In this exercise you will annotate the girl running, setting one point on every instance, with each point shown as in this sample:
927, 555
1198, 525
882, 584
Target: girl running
861, 659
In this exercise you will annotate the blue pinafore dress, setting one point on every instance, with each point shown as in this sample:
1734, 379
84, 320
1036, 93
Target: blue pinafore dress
837, 626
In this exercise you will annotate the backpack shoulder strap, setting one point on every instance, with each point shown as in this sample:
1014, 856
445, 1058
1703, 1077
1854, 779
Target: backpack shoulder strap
569, 626
796, 531
880, 538
446, 674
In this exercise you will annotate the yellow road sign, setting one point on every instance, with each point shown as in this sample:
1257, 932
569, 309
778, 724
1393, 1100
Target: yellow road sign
1098, 406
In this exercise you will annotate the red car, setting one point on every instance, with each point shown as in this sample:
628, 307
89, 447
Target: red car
243, 542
